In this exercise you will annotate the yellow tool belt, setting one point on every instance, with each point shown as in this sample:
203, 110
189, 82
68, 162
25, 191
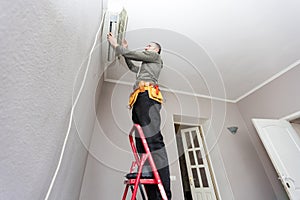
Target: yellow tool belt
153, 91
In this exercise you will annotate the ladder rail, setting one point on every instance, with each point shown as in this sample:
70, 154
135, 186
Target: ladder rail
140, 161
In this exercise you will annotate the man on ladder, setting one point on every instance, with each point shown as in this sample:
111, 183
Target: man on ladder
145, 102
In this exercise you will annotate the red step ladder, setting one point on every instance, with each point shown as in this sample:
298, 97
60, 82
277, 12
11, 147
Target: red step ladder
139, 162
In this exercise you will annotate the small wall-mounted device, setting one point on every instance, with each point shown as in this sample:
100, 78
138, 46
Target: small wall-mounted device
116, 23
233, 129
113, 19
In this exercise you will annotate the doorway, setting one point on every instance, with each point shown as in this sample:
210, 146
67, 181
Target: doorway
196, 172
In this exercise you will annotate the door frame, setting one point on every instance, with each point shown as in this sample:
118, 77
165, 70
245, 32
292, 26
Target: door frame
210, 166
291, 117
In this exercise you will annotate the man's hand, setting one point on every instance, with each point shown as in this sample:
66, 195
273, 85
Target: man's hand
112, 40
125, 44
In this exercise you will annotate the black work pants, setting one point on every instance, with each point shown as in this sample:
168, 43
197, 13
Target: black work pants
146, 113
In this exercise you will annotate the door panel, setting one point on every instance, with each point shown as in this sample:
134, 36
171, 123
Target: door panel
197, 165
282, 144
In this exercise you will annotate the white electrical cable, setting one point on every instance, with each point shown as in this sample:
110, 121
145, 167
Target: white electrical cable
72, 111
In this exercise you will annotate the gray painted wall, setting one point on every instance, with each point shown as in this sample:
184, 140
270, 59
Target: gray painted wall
275, 100
43, 44
237, 167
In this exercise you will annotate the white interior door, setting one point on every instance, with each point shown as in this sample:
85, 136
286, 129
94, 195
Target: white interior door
282, 144
197, 166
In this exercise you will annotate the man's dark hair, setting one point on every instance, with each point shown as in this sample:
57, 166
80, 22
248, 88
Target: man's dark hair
158, 46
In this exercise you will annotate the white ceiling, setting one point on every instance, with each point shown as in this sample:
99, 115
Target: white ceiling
223, 49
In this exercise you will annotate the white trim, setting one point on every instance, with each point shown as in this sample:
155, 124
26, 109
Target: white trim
174, 91
216, 98
209, 160
292, 116
186, 124
226, 175
268, 80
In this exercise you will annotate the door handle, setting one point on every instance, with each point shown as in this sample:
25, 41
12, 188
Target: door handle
288, 180
191, 181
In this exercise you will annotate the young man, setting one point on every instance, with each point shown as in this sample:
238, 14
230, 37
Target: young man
146, 105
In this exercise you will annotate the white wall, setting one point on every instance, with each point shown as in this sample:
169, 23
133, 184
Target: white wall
43, 44
275, 100
238, 169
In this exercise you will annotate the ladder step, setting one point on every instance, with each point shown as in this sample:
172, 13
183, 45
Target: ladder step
142, 181
145, 175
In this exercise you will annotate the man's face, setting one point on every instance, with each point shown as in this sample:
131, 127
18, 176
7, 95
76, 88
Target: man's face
151, 47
